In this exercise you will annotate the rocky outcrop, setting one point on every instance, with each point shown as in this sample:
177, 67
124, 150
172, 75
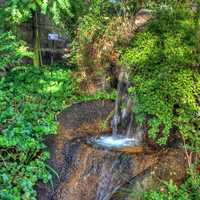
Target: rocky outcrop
87, 173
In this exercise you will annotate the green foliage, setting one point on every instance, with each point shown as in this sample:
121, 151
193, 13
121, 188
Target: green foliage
99, 95
165, 77
91, 22
97, 27
30, 98
11, 51
29, 101
62, 11
99, 13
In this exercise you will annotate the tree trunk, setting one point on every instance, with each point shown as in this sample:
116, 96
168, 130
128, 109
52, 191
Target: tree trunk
36, 41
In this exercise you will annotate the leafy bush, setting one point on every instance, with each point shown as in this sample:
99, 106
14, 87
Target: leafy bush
165, 76
29, 101
11, 51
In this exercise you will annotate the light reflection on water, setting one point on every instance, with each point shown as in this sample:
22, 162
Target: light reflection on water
116, 141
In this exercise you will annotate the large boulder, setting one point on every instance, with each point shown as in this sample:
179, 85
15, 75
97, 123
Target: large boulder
87, 173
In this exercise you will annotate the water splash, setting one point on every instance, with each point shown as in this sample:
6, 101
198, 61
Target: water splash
115, 142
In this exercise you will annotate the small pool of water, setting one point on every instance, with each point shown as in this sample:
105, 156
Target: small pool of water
113, 142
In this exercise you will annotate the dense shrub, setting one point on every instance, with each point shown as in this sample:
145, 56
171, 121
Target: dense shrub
29, 100
165, 75
11, 51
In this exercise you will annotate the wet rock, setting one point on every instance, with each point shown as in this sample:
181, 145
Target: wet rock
76, 123
170, 165
97, 174
84, 118
87, 173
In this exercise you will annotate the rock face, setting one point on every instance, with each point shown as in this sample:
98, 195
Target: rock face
170, 164
87, 173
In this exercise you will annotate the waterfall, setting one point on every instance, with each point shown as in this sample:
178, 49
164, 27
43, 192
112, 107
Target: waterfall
122, 123
125, 131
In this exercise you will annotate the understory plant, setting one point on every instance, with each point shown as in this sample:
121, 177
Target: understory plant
30, 97
11, 51
29, 101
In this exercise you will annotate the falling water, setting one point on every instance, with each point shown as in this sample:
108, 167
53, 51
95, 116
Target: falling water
125, 131
122, 97
123, 135
122, 123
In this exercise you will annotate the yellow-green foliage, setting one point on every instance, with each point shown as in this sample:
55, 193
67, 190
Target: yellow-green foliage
165, 77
